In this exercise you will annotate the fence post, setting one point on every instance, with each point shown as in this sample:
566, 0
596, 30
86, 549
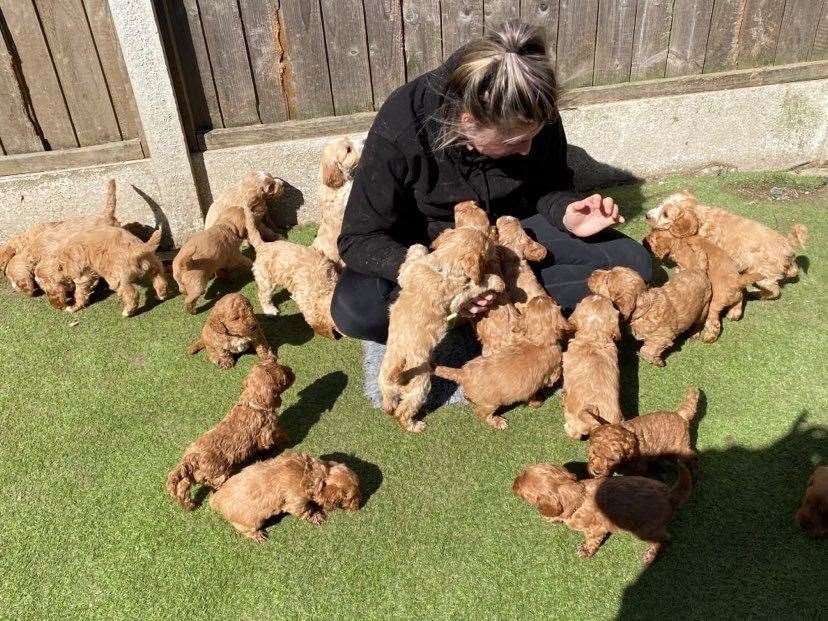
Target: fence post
138, 32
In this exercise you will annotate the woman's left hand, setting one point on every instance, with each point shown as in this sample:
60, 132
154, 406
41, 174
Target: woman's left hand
591, 215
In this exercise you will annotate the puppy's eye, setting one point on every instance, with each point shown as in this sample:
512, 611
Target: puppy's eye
348, 149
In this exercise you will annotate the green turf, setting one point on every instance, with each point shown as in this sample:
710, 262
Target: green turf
92, 416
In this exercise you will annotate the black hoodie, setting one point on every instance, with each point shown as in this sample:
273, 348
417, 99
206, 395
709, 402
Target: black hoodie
404, 190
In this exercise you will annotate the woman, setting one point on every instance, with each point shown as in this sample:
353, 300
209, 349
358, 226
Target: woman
484, 126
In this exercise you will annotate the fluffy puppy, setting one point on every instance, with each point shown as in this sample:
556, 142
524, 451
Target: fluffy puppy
294, 483
697, 253
106, 252
590, 366
662, 313
518, 371
752, 246
306, 273
599, 507
619, 284
812, 515
255, 189
630, 444
432, 286
336, 172
231, 328
250, 427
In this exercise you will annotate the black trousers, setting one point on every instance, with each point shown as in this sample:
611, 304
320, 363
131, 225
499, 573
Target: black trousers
360, 303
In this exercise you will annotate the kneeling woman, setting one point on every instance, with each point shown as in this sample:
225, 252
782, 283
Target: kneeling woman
483, 126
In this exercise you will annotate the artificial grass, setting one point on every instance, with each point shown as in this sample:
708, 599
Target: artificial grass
93, 416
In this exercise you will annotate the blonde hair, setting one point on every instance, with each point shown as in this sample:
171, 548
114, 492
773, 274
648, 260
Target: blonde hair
502, 80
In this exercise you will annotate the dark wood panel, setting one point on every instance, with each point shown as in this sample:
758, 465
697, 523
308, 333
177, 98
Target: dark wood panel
421, 30
576, 42
347, 55
759, 33
544, 15
820, 48
17, 132
799, 26
495, 12
652, 39
385, 46
61, 159
261, 31
614, 41
688, 37
723, 41
462, 22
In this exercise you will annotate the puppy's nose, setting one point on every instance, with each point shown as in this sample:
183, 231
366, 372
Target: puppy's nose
652, 214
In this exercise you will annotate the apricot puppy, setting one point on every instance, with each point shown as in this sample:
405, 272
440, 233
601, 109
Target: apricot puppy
813, 512
254, 190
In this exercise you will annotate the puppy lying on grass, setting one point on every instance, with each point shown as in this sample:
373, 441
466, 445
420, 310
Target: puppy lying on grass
812, 515
658, 315
518, 371
250, 427
630, 444
752, 246
294, 483
599, 507
231, 329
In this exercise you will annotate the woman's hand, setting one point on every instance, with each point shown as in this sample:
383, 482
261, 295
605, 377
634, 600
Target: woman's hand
478, 306
591, 215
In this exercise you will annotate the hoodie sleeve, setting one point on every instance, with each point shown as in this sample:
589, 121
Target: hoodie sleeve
377, 195
554, 186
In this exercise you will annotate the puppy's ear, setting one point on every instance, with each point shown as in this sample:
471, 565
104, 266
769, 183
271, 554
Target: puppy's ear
626, 304
332, 175
217, 325
472, 266
549, 506
685, 224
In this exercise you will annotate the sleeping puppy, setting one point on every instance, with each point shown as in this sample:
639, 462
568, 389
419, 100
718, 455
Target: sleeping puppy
599, 507
251, 426
812, 515
255, 189
231, 329
752, 246
630, 444
293, 483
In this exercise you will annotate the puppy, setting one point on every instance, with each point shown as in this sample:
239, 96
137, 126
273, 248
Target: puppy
106, 252
813, 512
250, 427
515, 372
306, 273
432, 287
660, 314
619, 284
599, 507
752, 246
208, 252
727, 284
336, 172
254, 190
294, 483
231, 328
630, 444
590, 366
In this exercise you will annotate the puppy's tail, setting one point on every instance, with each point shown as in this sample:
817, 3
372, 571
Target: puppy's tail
179, 482
196, 346
681, 490
798, 235
253, 235
154, 241
107, 213
688, 408
749, 278
449, 373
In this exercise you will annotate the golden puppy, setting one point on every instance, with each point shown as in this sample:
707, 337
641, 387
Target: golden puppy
518, 371
251, 426
697, 253
812, 515
662, 313
231, 328
340, 157
630, 444
293, 483
306, 273
254, 190
599, 507
619, 284
590, 366
752, 246
106, 252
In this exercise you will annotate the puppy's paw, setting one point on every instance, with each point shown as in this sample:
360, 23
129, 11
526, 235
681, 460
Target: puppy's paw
498, 422
414, 426
654, 360
709, 336
226, 363
534, 403
258, 536
585, 551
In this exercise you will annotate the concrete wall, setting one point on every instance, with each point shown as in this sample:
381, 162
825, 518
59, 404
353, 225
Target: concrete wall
768, 127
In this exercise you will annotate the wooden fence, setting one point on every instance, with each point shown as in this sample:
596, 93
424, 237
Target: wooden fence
247, 62
63, 86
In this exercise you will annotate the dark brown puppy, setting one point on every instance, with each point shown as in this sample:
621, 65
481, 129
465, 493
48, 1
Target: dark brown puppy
813, 512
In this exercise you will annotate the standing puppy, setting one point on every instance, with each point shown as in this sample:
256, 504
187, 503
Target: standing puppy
254, 190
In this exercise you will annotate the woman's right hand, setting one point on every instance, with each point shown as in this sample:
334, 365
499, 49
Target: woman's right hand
591, 215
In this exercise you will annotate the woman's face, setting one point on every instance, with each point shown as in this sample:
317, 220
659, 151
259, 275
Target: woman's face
497, 142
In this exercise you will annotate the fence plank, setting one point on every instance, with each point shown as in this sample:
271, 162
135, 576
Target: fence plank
652, 39
544, 15
228, 58
306, 79
495, 12
107, 153
723, 42
576, 42
17, 132
614, 41
462, 22
799, 25
421, 29
688, 37
79, 71
820, 49
261, 31
385, 47
347, 55
39, 74
759, 32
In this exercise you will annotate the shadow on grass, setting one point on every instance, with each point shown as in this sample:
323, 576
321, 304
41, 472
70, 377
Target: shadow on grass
314, 400
370, 476
736, 551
